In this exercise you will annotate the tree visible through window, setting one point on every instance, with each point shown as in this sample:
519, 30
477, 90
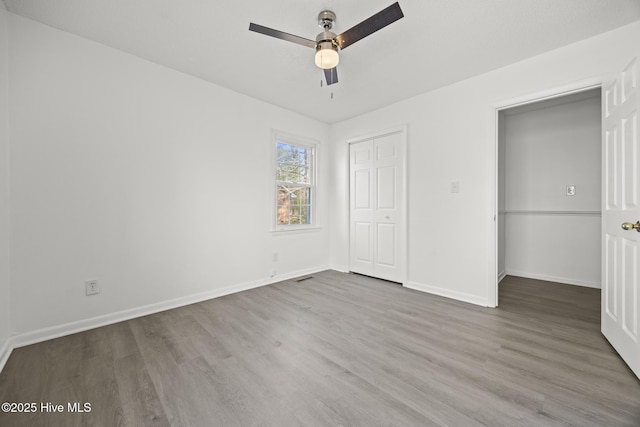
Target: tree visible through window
294, 184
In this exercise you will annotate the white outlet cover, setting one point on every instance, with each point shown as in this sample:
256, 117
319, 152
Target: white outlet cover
92, 287
571, 190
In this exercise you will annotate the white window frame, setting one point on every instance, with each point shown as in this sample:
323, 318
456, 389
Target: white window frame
306, 143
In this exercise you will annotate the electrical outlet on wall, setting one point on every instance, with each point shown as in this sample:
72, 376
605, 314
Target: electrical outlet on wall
92, 287
571, 190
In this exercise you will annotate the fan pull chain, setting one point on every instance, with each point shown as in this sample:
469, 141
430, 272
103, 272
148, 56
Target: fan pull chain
322, 85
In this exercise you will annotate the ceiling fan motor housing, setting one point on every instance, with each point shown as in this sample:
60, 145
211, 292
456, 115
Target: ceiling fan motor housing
326, 39
326, 36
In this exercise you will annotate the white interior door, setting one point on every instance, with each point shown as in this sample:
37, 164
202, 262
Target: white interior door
621, 248
376, 207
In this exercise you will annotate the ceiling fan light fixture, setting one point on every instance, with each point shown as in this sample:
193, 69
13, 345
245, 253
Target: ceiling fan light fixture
327, 55
327, 44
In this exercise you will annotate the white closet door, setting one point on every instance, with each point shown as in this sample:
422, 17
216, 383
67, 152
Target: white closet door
376, 207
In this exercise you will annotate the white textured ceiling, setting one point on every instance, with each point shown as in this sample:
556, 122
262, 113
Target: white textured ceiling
438, 42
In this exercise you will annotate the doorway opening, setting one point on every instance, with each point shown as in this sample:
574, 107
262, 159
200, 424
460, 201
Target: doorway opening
549, 189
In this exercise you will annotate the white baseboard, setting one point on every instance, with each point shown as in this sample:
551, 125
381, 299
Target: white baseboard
501, 276
45, 334
460, 296
568, 281
339, 268
5, 352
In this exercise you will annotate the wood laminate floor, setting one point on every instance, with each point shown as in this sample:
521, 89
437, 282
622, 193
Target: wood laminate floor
338, 349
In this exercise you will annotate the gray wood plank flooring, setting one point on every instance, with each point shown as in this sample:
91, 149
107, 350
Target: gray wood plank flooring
338, 349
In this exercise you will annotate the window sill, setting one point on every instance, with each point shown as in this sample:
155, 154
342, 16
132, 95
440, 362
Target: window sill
295, 230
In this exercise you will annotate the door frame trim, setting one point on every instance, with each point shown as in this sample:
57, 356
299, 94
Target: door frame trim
404, 244
493, 138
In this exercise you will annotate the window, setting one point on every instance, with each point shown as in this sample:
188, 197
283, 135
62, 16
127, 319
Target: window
294, 184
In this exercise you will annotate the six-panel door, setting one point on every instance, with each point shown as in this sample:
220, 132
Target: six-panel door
376, 207
621, 260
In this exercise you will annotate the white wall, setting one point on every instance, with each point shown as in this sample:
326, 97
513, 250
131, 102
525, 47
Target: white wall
4, 191
550, 235
452, 137
154, 182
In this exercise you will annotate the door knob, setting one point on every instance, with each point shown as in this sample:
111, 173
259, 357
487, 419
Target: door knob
629, 226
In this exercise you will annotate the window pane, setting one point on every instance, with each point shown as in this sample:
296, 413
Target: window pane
295, 215
293, 163
294, 205
303, 196
283, 205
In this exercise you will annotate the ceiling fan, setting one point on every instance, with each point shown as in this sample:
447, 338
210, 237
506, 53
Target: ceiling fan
327, 44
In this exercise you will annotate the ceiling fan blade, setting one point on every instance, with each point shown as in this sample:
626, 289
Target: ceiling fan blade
281, 35
370, 25
331, 75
